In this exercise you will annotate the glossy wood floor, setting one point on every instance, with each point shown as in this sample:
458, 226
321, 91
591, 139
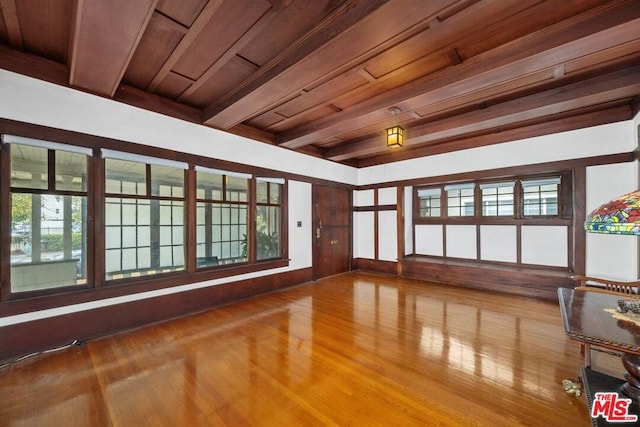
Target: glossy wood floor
355, 349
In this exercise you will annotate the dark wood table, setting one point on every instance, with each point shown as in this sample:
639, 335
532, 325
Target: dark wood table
585, 320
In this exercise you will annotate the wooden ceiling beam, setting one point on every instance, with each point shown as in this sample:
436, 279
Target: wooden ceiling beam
233, 109
598, 90
54, 72
103, 40
579, 121
11, 22
191, 35
232, 51
479, 74
33, 66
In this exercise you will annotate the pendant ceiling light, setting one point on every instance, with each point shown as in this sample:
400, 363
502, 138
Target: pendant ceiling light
395, 134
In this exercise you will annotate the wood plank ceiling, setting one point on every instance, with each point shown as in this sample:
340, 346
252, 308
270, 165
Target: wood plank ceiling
323, 76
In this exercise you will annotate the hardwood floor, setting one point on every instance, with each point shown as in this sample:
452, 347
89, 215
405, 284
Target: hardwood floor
354, 349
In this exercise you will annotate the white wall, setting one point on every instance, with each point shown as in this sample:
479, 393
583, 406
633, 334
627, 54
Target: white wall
300, 250
387, 236
34, 101
363, 235
595, 141
28, 100
603, 183
608, 255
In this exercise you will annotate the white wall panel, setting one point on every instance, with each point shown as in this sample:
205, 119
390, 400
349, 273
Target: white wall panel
363, 235
619, 138
607, 255
363, 197
545, 245
498, 243
408, 220
461, 241
429, 240
34, 101
387, 196
387, 232
300, 238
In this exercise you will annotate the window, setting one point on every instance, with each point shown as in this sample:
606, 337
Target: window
497, 198
78, 222
144, 215
429, 202
268, 217
540, 197
222, 217
48, 214
460, 200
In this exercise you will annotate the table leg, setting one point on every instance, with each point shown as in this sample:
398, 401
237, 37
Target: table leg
631, 388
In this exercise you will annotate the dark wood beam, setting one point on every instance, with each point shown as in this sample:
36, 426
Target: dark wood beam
148, 101
191, 35
10, 15
33, 66
579, 121
232, 51
488, 73
53, 72
253, 133
104, 38
233, 109
598, 90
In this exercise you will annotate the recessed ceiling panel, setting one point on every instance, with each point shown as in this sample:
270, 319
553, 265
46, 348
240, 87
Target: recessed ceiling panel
230, 22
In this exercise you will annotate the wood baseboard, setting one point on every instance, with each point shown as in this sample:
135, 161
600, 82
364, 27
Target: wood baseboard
530, 282
377, 266
39, 335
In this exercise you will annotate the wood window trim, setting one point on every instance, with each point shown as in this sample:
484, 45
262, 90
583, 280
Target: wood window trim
97, 287
563, 218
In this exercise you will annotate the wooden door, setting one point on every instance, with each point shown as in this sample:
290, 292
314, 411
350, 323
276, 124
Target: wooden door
332, 231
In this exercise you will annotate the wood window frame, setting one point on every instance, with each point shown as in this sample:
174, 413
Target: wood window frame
563, 218
97, 287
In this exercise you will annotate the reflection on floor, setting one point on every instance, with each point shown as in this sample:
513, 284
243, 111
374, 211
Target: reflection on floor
355, 349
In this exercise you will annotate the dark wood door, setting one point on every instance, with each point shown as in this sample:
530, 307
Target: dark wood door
332, 231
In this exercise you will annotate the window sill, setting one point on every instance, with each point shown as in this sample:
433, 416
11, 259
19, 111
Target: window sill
19, 303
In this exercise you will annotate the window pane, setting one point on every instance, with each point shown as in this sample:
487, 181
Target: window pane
460, 202
262, 189
274, 193
237, 189
48, 241
150, 237
540, 200
268, 232
429, 203
498, 200
167, 181
132, 177
209, 186
29, 167
223, 240
71, 171
129, 211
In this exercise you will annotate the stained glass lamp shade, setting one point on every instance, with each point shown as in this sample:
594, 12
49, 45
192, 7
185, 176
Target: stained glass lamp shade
619, 216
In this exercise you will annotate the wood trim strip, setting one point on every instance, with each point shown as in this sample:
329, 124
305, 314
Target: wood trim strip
374, 208
400, 217
578, 242
5, 220
92, 141
536, 169
376, 225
